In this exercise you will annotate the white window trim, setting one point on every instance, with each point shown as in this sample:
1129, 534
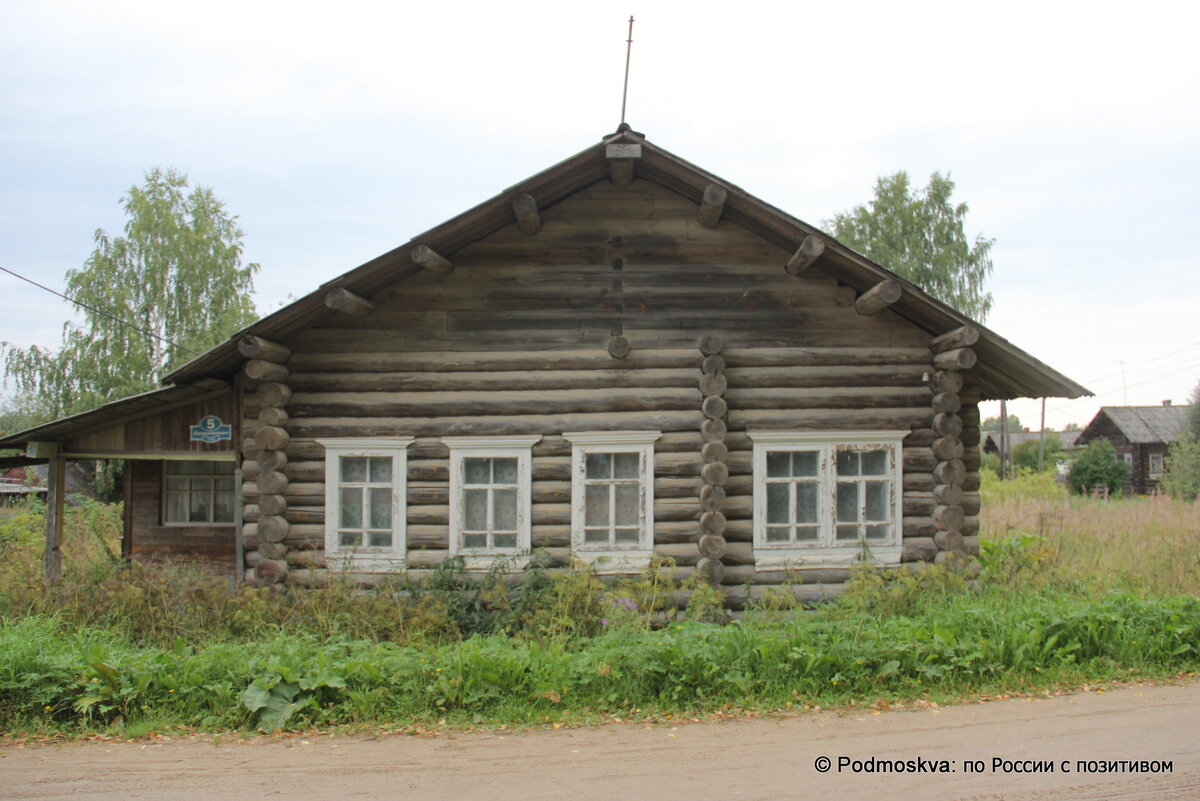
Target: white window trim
367, 560
1162, 464
631, 558
825, 552
188, 523
519, 447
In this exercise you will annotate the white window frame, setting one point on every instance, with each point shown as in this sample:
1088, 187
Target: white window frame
827, 551
190, 523
1162, 464
613, 558
510, 447
366, 559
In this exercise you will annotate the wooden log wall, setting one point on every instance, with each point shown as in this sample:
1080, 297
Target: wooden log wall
955, 460
717, 339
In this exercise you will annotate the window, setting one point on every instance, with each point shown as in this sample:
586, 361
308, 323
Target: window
490, 498
825, 498
365, 488
198, 492
1156, 465
612, 499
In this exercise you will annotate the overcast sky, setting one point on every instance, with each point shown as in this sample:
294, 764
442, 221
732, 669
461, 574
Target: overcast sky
338, 131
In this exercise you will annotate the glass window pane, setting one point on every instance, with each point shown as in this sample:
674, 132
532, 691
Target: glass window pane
381, 470
475, 509
847, 533
848, 503
877, 500
779, 464
199, 510
847, 463
350, 539
778, 500
475, 540
596, 505
806, 502
354, 469
874, 463
477, 471
223, 468
188, 468
628, 504
380, 539
504, 517
505, 540
778, 534
177, 483
804, 463
599, 465
223, 484
350, 501
504, 471
627, 535
878, 532
625, 465
176, 507
381, 508
807, 533
223, 507
595, 536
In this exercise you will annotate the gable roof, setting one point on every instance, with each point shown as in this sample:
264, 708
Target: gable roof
1142, 425
1003, 370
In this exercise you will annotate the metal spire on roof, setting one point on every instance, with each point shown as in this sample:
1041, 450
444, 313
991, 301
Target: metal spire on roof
628, 50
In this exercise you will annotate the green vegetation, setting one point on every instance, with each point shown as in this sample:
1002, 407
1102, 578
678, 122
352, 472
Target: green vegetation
1182, 476
1070, 591
1096, 465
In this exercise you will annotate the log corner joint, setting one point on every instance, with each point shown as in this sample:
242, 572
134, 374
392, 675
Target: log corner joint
347, 302
430, 259
806, 255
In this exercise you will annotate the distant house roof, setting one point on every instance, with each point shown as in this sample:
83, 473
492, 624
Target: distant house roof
1142, 424
992, 441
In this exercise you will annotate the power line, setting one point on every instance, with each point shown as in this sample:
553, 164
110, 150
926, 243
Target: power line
102, 313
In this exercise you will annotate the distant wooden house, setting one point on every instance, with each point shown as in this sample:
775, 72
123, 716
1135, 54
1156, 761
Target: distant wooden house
1141, 435
622, 357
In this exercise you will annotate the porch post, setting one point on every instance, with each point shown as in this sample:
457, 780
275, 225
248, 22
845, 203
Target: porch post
55, 493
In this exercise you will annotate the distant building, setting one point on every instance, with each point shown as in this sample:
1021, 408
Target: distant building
1141, 436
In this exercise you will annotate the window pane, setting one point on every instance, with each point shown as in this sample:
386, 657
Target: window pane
223, 484
627, 535
778, 534
505, 471
628, 504
878, 532
874, 463
381, 470
188, 468
380, 539
350, 500
804, 463
223, 468
625, 465
198, 510
505, 540
354, 469
599, 465
475, 508
595, 536
847, 463
806, 502
477, 471
223, 507
176, 507
847, 532
505, 515
778, 500
381, 508
177, 483
848, 502
877, 505
779, 464
807, 533
475, 540
350, 539
596, 505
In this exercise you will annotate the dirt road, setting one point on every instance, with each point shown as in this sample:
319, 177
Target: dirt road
750, 759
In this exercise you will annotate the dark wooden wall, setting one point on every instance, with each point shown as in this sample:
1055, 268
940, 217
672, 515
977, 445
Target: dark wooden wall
167, 431
210, 548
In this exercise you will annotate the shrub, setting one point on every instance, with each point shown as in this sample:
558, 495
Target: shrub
1182, 476
1097, 464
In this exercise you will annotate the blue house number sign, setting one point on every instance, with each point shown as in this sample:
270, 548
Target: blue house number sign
211, 429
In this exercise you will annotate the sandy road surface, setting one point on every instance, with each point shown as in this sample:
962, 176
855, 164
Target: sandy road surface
751, 759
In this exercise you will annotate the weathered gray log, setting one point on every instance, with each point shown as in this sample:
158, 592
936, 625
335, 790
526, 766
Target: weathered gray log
947, 448
620, 171
971, 435
272, 393
427, 257
952, 472
272, 416
270, 460
711, 546
714, 452
715, 473
713, 383
345, 301
263, 370
712, 205
946, 403
865, 418
713, 523
971, 395
712, 498
878, 297
273, 528
957, 359
806, 255
352, 405
971, 459
712, 570
918, 482
272, 438
948, 518
948, 494
714, 407
618, 347
844, 296
270, 504
949, 540
272, 482
525, 210
713, 430
270, 571
946, 381
946, 424
272, 550
713, 365
252, 347
963, 337
970, 482
711, 344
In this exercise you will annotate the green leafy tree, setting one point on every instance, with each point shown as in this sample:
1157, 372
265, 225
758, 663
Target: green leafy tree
1193, 418
993, 424
1025, 455
1181, 476
176, 275
1097, 464
919, 236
